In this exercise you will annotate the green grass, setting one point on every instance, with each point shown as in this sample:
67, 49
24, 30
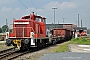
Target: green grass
61, 48
64, 47
1, 43
80, 41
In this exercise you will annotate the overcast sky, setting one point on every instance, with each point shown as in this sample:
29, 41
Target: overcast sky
68, 9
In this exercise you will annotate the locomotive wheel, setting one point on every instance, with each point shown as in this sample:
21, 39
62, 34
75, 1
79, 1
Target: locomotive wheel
8, 42
53, 42
26, 41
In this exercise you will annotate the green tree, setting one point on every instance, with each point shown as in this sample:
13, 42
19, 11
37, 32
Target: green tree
88, 32
10, 30
0, 30
4, 28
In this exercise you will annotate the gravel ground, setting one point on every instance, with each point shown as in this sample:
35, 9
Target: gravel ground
79, 48
3, 46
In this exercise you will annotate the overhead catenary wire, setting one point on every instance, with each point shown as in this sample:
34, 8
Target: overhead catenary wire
24, 5
33, 4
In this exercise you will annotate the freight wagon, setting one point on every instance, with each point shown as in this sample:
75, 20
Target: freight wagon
61, 34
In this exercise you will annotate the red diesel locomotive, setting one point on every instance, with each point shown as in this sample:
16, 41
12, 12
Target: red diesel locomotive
30, 31
27, 32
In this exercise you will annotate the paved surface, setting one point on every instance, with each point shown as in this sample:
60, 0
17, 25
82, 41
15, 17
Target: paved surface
79, 48
66, 56
76, 52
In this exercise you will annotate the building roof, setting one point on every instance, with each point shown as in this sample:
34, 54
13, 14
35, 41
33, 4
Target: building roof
80, 28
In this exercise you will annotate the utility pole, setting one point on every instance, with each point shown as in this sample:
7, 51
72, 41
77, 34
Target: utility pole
78, 20
63, 20
54, 14
81, 23
7, 26
58, 22
6, 22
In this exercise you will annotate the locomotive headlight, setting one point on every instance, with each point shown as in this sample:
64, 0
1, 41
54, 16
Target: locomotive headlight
26, 41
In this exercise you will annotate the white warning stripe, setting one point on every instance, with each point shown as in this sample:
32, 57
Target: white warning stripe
21, 22
87, 49
84, 45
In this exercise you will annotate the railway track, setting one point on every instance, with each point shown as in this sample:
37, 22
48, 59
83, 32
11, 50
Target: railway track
7, 50
4, 56
17, 55
11, 53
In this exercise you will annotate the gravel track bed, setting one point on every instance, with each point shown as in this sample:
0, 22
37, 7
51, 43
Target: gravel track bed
3, 47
